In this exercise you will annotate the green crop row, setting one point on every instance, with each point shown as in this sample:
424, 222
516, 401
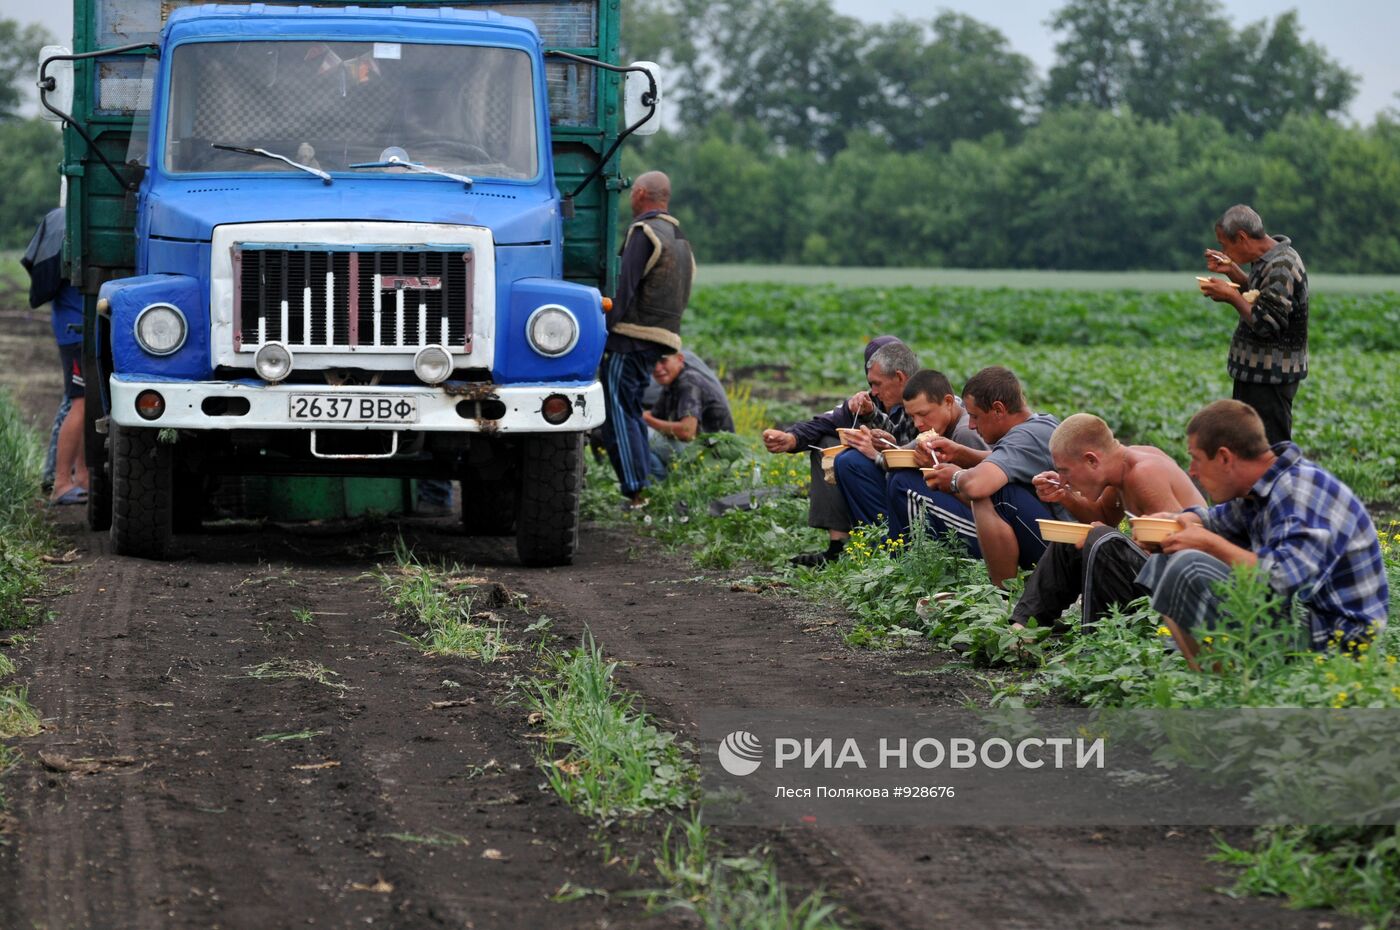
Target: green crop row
1143, 361
799, 316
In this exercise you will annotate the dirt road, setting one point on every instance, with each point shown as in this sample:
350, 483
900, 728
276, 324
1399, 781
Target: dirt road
219, 797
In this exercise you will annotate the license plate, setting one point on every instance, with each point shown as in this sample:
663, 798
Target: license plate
352, 408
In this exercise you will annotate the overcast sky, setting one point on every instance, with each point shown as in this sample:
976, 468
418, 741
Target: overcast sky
1359, 33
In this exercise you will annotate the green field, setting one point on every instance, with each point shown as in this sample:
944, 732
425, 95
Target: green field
1012, 278
1143, 359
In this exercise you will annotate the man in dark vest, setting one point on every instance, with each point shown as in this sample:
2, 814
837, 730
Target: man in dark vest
653, 288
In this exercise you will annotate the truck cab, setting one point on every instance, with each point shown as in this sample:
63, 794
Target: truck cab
348, 259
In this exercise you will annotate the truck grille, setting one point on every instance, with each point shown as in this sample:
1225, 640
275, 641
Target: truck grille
325, 299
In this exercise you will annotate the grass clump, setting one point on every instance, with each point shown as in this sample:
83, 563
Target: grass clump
425, 595
729, 893
23, 533
17, 716
615, 762
287, 737
1355, 870
282, 669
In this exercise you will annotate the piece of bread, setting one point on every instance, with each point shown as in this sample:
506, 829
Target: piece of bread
926, 435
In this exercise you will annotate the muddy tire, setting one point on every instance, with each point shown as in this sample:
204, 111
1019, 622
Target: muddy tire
550, 476
142, 482
489, 506
99, 502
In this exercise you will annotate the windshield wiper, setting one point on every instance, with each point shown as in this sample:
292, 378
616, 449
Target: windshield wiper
394, 161
264, 153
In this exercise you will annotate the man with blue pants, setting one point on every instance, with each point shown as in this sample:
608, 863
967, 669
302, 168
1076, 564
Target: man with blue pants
930, 405
653, 288
986, 497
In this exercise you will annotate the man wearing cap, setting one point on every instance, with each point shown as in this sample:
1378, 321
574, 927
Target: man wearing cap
689, 404
653, 288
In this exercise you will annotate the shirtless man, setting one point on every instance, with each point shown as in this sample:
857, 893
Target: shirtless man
1098, 480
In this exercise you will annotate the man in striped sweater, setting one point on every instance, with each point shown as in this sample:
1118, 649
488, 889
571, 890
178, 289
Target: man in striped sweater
1269, 351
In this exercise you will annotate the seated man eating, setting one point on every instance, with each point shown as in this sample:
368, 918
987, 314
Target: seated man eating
986, 497
826, 509
1304, 529
935, 411
690, 404
1098, 480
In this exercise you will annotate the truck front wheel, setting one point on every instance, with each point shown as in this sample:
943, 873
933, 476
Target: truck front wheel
547, 525
142, 479
99, 502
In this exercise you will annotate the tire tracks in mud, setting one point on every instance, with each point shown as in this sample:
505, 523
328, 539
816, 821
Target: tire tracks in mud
220, 830
689, 643
384, 817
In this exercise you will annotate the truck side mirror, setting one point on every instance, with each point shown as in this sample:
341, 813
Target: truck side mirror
635, 106
60, 97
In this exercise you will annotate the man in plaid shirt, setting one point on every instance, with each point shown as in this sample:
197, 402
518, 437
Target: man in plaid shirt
1304, 529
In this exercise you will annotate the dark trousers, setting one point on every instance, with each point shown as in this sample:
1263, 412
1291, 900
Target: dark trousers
1104, 572
911, 500
625, 376
826, 508
1273, 403
863, 486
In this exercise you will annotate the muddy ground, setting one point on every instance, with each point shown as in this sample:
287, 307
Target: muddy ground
194, 809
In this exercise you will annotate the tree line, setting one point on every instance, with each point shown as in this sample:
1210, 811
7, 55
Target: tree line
800, 135
30, 149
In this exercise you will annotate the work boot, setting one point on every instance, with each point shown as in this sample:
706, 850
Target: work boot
818, 559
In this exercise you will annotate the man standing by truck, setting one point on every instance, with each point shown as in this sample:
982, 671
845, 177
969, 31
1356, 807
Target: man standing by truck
653, 288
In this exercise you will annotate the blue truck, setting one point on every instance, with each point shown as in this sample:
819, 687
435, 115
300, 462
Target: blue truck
344, 241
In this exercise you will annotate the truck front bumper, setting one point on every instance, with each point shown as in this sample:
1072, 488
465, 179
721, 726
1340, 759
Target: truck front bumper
461, 407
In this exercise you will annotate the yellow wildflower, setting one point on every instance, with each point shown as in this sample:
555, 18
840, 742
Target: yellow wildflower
1163, 631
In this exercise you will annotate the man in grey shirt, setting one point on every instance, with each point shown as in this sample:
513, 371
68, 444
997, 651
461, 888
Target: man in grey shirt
867, 488
986, 497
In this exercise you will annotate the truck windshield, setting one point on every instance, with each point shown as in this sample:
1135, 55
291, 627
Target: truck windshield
463, 109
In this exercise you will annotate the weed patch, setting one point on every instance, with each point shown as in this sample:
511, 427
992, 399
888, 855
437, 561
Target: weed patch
17, 716
283, 669
729, 893
604, 756
287, 737
417, 592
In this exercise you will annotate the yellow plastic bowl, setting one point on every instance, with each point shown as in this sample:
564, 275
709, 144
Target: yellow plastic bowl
1064, 531
847, 433
899, 458
1153, 529
832, 451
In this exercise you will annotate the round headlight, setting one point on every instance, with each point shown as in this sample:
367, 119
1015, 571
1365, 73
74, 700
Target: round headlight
552, 330
273, 362
432, 364
160, 329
